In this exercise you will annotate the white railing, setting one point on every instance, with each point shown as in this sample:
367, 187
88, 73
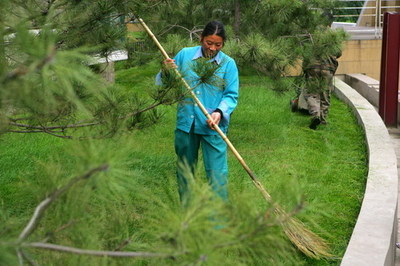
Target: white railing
368, 16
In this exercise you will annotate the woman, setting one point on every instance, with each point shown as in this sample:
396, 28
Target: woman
192, 127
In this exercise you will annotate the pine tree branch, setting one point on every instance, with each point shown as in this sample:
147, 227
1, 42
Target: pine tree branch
27, 258
24, 131
101, 253
142, 110
51, 129
42, 207
40, 131
77, 125
23, 70
309, 35
17, 119
64, 226
156, 4
191, 32
260, 228
240, 238
20, 257
56, 135
123, 244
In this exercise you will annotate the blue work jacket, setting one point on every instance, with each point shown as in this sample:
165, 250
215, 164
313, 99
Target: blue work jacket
212, 98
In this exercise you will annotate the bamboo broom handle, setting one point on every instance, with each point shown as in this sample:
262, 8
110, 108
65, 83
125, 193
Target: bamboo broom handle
216, 127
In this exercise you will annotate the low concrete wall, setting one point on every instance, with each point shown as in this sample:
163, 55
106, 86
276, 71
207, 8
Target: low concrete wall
367, 87
364, 85
373, 238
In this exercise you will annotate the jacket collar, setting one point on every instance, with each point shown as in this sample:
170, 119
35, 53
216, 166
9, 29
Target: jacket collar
199, 54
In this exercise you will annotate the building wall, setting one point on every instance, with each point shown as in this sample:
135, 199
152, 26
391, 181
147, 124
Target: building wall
134, 27
358, 57
361, 56
368, 14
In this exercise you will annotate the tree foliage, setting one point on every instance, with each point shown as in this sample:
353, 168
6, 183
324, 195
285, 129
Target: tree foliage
46, 79
272, 36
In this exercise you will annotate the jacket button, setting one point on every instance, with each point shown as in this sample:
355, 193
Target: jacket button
192, 116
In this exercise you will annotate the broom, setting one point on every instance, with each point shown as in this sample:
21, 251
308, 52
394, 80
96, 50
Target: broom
306, 241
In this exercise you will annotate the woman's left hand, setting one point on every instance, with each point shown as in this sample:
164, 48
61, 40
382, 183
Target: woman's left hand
216, 117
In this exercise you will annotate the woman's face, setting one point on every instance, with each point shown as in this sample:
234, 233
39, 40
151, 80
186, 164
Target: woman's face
211, 45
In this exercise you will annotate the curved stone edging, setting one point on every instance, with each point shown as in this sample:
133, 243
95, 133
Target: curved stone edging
373, 237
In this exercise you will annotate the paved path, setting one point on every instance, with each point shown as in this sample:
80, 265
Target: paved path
395, 135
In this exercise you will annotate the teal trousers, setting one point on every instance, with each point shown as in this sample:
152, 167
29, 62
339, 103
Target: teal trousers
213, 147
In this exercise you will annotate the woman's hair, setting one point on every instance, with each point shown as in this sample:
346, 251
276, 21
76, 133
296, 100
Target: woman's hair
214, 28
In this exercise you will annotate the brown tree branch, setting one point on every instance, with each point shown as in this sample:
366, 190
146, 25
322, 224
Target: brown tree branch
142, 110
51, 129
28, 259
193, 31
23, 70
56, 135
48, 235
65, 226
42, 207
101, 253
24, 131
77, 125
20, 256
123, 244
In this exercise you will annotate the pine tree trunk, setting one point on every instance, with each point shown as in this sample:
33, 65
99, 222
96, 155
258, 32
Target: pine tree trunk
2, 52
236, 24
2, 57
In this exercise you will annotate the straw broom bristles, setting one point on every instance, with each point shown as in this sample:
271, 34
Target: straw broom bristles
306, 241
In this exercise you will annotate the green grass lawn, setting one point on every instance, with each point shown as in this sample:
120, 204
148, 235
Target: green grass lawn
327, 166
322, 169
